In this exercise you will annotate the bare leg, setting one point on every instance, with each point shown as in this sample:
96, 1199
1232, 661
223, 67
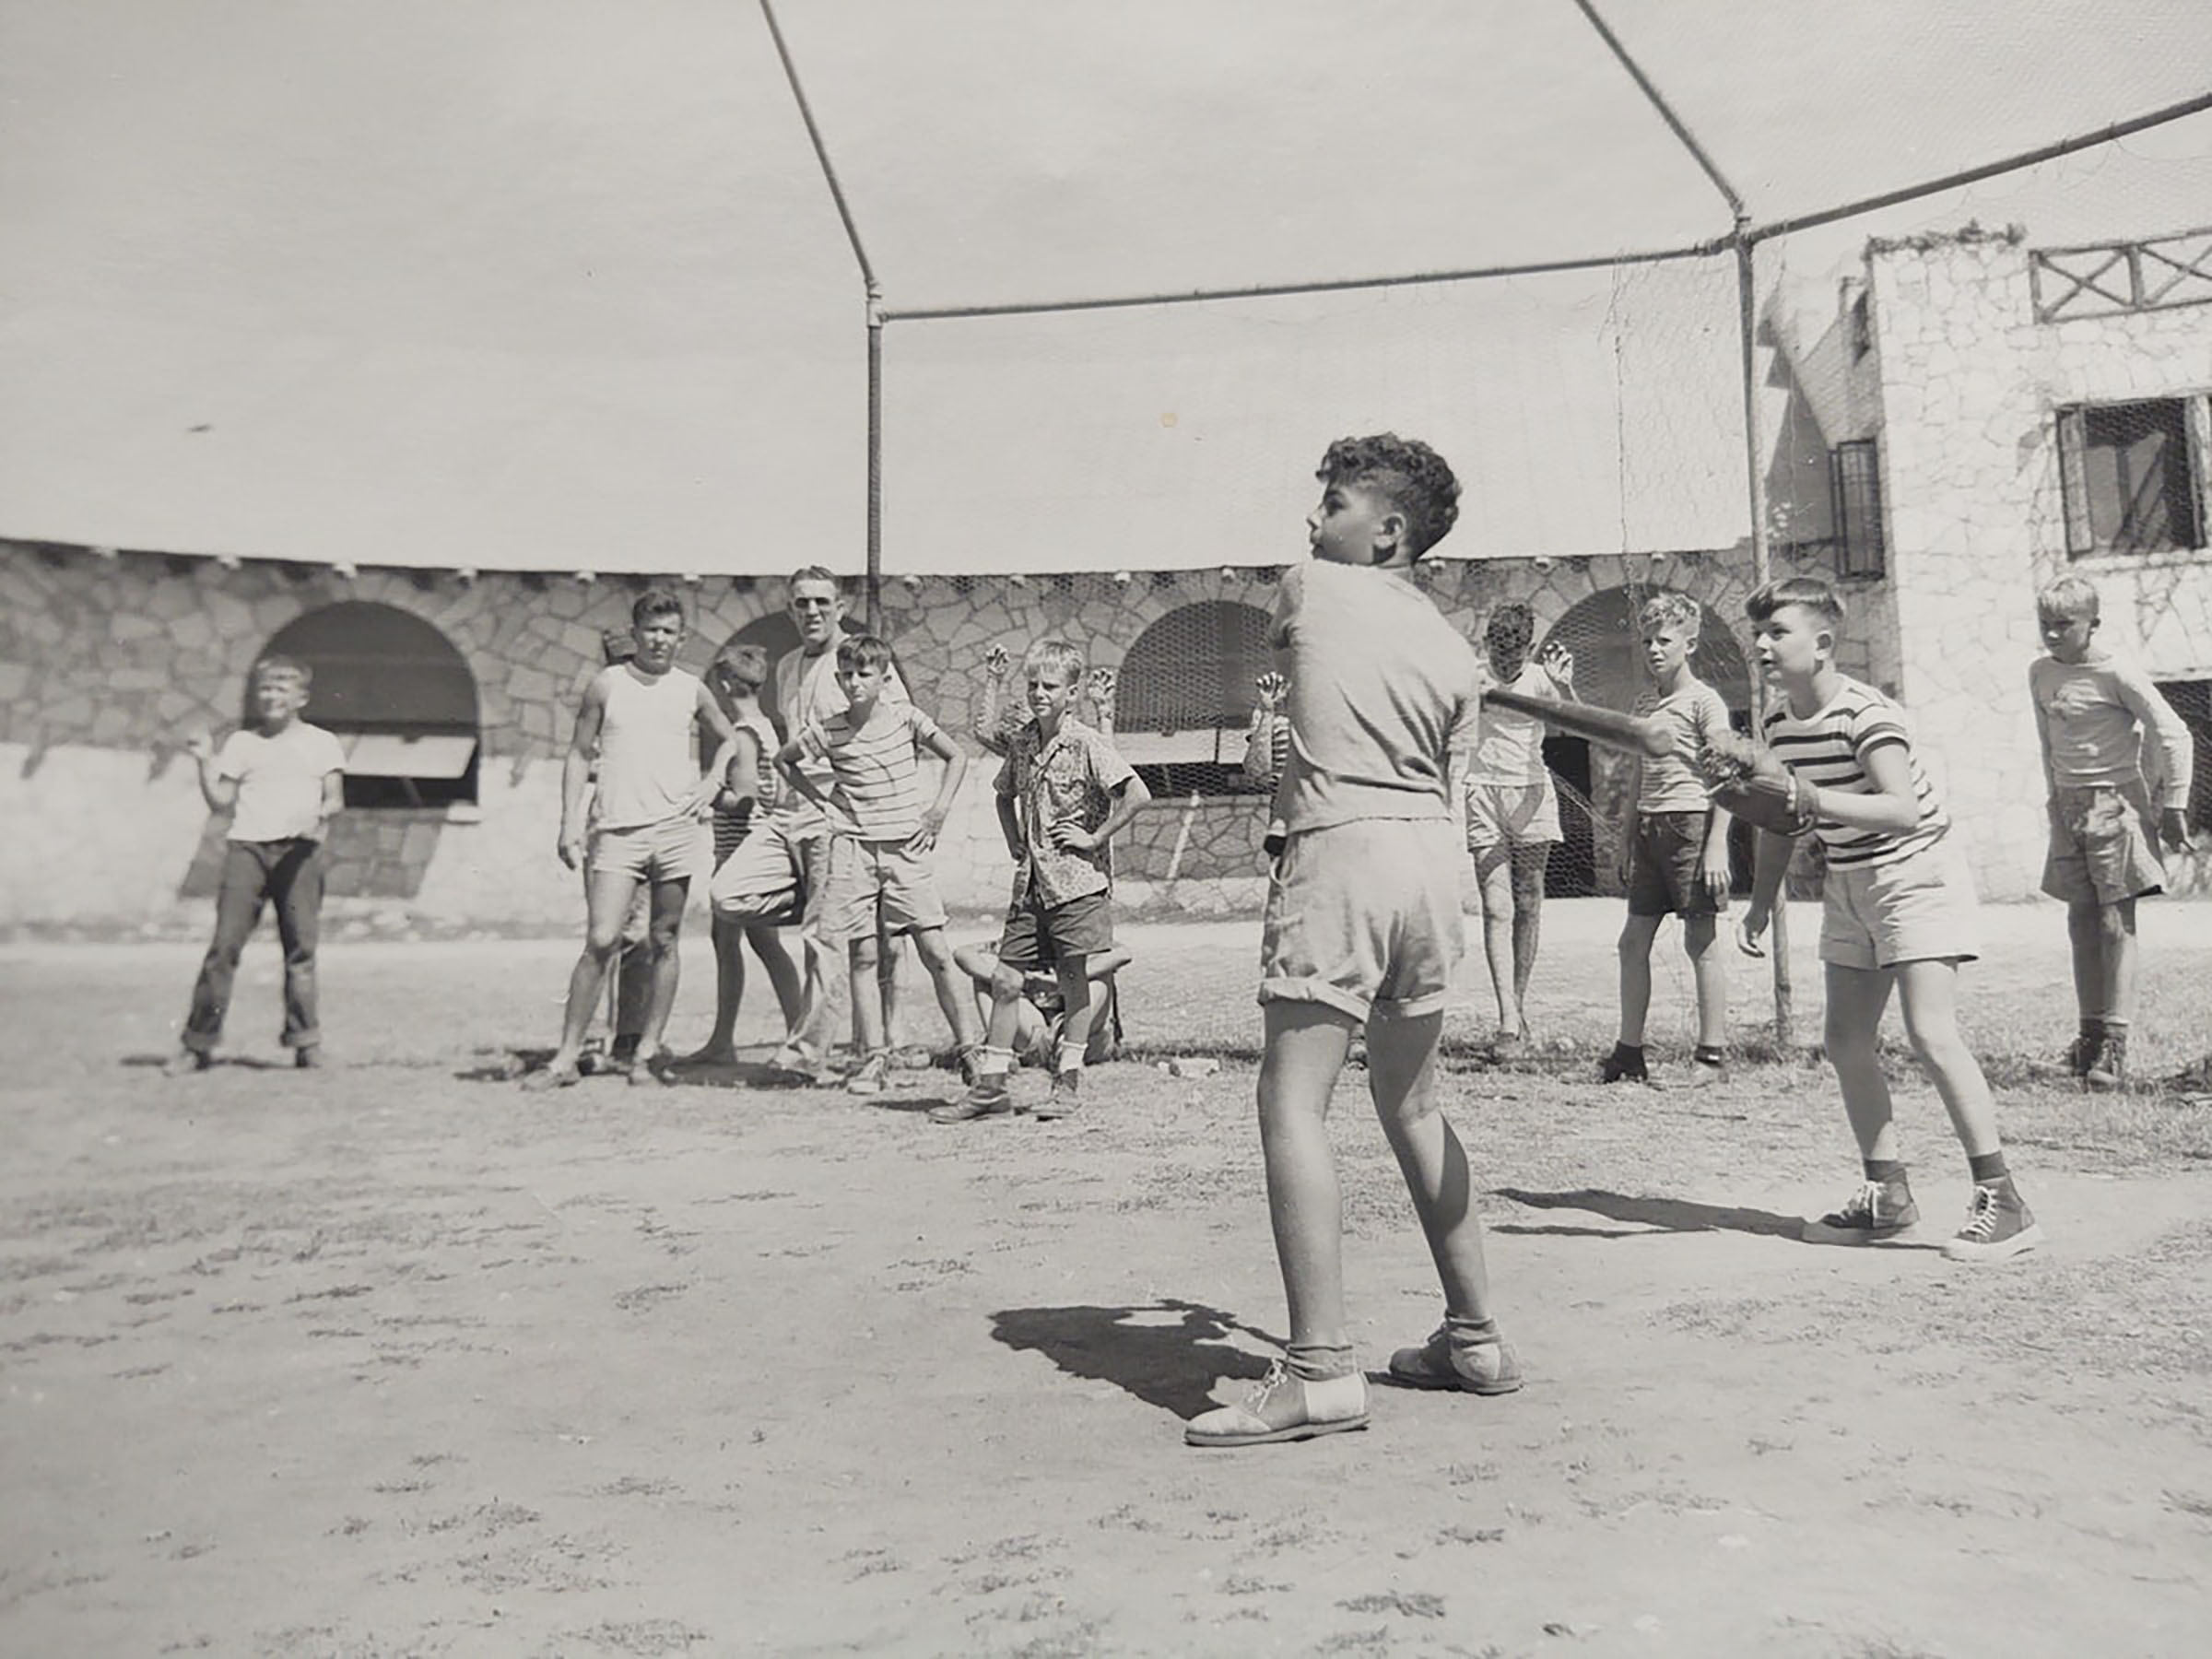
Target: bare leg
2116, 943
868, 1011
666, 962
1635, 948
729, 995
607, 895
1306, 1046
2084, 940
1528, 865
1401, 1075
1709, 969
1494, 875
1079, 1005
952, 994
1856, 998
1929, 992
767, 943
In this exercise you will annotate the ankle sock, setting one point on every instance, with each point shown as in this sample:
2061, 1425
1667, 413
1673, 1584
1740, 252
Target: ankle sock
1888, 1171
1068, 1060
1312, 1362
1707, 1053
993, 1063
1988, 1168
1470, 1333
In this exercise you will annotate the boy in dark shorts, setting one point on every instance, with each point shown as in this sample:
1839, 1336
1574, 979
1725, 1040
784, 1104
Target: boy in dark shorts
1674, 845
1063, 794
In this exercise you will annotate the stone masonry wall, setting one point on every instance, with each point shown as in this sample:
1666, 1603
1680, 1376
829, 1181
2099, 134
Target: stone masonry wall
1971, 387
109, 663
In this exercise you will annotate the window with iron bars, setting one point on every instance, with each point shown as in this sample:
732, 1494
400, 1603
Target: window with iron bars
1854, 491
2133, 476
2192, 699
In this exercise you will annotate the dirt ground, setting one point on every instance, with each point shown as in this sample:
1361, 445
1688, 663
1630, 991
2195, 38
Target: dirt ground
397, 1360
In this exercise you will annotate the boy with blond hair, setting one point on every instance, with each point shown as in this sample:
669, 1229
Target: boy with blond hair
1673, 844
2095, 716
879, 884
1897, 913
282, 781
1362, 922
1063, 794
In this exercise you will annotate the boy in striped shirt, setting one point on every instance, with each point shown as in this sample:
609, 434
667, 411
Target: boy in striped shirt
1898, 912
881, 834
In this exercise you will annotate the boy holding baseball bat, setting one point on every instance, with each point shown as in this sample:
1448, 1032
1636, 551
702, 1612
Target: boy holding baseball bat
1898, 911
1362, 922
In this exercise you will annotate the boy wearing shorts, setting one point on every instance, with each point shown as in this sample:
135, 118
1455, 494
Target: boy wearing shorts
1674, 845
1063, 794
1897, 913
1362, 922
1512, 812
2095, 714
282, 781
748, 794
637, 723
879, 884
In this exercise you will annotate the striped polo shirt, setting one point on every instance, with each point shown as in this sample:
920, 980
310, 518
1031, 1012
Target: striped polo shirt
1829, 749
878, 776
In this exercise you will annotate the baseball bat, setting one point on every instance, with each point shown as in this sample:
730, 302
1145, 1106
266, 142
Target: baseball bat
1604, 726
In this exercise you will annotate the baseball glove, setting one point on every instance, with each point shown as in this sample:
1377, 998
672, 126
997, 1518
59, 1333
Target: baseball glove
1748, 780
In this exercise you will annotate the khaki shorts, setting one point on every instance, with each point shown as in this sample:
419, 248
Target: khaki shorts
877, 884
2104, 846
1364, 917
670, 851
1513, 815
764, 879
1919, 908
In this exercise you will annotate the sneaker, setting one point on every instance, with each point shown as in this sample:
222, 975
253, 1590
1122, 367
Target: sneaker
2107, 1071
1484, 1368
563, 1076
1624, 1065
1283, 1407
1876, 1213
869, 1076
1707, 1066
185, 1063
1998, 1226
913, 1057
1067, 1098
307, 1058
791, 1061
989, 1097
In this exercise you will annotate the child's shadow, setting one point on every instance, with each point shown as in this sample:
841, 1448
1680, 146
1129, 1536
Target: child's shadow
1170, 1362
1661, 1215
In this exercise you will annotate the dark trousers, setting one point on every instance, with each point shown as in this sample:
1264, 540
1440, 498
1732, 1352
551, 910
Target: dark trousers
289, 874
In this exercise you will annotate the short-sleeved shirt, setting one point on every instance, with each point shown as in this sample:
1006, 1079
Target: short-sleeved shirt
1383, 690
806, 694
1829, 747
1509, 745
2099, 717
1696, 713
873, 765
648, 764
279, 780
1069, 777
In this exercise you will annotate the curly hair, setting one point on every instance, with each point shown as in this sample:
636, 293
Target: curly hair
1512, 626
1414, 478
1667, 608
744, 667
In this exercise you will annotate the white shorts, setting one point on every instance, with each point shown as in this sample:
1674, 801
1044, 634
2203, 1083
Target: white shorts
1364, 917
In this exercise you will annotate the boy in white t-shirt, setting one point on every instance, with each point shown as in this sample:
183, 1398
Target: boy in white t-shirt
282, 781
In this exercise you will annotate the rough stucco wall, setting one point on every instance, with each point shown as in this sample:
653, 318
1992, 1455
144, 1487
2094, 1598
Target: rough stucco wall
1971, 387
108, 664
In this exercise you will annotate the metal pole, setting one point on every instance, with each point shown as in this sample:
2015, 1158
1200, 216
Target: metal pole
1755, 474
874, 578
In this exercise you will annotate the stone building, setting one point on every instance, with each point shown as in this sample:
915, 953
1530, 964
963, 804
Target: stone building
1979, 416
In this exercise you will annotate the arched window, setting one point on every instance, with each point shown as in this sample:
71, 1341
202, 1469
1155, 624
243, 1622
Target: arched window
778, 635
1608, 665
1184, 697
399, 697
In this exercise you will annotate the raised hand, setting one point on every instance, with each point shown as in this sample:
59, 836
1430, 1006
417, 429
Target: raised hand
1273, 687
1103, 684
997, 661
1555, 660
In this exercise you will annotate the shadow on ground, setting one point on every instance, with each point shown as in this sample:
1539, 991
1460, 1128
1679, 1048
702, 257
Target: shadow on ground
1167, 1353
1656, 1215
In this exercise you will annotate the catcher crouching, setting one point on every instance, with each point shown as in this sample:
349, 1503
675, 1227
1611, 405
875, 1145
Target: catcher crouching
1898, 911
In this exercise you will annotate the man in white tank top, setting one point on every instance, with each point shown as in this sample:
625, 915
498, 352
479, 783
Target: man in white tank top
638, 719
